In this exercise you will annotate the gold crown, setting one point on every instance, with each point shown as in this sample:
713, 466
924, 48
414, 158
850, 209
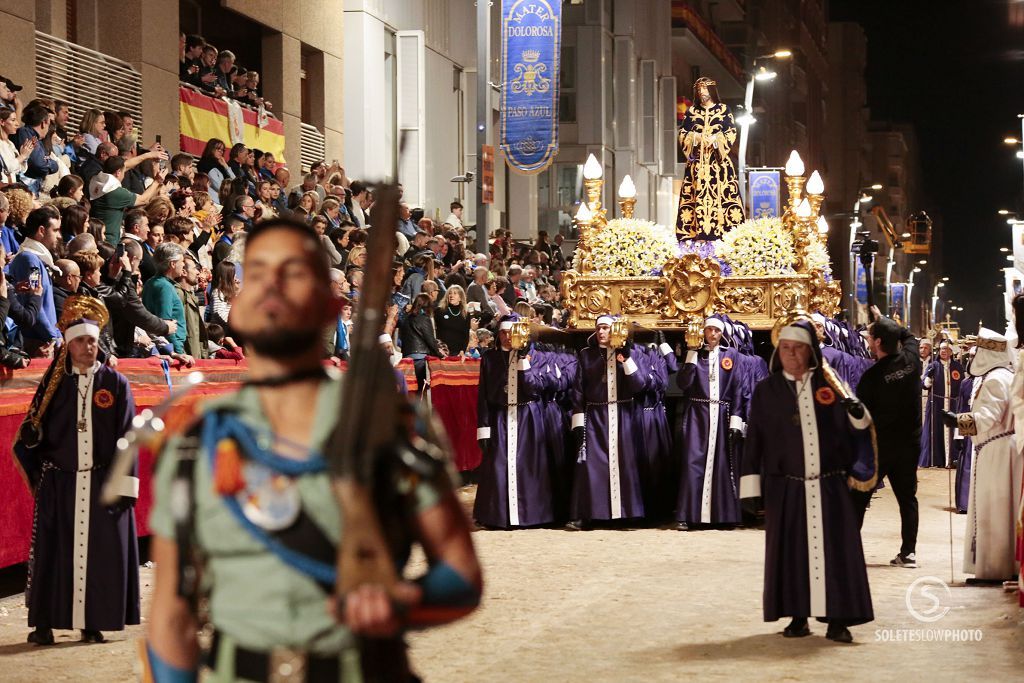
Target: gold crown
706, 81
531, 56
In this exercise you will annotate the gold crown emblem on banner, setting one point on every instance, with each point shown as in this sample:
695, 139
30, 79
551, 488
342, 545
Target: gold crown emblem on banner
531, 56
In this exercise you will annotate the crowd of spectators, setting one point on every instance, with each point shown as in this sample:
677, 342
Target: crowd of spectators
159, 239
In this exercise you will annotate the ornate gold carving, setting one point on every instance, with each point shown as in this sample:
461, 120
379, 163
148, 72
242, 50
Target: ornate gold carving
595, 299
570, 296
691, 285
823, 296
745, 300
641, 300
787, 297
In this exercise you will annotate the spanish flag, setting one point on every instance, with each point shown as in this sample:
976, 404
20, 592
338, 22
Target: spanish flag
204, 117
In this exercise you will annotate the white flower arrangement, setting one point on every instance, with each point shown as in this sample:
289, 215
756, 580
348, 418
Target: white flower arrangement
628, 247
759, 247
818, 258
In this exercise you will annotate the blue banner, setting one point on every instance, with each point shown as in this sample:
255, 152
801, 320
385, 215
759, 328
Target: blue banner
898, 301
764, 194
860, 283
531, 36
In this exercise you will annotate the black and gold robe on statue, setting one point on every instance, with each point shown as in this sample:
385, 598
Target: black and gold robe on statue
709, 201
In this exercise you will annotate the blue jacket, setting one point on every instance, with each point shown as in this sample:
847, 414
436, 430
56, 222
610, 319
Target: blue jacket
40, 164
45, 328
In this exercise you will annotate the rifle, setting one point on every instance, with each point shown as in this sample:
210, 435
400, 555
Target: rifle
369, 422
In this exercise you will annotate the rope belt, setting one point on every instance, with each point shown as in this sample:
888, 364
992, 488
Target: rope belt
823, 475
977, 449
50, 465
609, 403
708, 401
523, 403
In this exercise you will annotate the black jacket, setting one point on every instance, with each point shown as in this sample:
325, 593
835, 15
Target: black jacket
60, 295
417, 335
103, 293
127, 313
147, 268
88, 167
23, 314
891, 390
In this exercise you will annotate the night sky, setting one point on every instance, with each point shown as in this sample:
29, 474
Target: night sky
956, 71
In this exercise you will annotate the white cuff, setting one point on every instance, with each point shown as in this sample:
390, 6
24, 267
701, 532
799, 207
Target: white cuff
957, 436
927, 382
750, 486
558, 372
577, 420
523, 365
691, 357
126, 486
862, 422
665, 349
736, 422
629, 367
483, 433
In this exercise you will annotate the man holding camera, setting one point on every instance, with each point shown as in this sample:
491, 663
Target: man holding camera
715, 394
891, 391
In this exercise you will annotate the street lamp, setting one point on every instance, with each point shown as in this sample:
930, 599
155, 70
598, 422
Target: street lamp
747, 119
864, 196
935, 299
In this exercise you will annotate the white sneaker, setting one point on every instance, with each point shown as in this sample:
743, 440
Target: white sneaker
908, 561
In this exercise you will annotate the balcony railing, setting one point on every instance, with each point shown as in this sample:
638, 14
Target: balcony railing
685, 16
86, 79
312, 146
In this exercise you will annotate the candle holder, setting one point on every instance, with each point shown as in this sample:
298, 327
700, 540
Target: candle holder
626, 206
795, 186
592, 187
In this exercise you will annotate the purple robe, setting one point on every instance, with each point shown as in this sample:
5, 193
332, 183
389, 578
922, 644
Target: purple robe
556, 373
84, 562
606, 480
709, 473
963, 447
514, 476
656, 467
936, 436
797, 457
850, 368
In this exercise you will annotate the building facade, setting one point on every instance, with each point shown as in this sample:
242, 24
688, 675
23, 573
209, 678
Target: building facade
61, 48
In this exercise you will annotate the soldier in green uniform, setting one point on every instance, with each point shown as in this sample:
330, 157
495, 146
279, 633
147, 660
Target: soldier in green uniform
263, 520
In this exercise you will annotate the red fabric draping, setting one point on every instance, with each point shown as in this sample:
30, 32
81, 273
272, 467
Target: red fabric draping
453, 395
453, 392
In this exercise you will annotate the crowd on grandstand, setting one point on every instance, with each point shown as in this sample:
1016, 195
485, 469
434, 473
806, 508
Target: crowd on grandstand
86, 207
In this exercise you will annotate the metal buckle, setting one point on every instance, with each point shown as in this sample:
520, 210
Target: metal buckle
286, 666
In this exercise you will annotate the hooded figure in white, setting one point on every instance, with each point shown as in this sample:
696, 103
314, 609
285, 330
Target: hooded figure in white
990, 541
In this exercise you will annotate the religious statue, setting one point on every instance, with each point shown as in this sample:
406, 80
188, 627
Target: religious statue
709, 201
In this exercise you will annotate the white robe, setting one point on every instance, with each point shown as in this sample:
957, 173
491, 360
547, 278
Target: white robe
990, 541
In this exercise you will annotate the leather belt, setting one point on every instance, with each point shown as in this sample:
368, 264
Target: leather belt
280, 665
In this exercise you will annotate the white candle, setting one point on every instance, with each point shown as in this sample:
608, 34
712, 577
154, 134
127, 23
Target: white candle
592, 169
815, 185
627, 190
795, 165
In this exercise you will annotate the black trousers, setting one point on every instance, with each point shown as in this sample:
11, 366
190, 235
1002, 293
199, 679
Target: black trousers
901, 469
